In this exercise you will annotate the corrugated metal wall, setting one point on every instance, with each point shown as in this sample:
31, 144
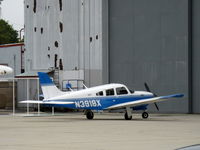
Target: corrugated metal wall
153, 41
149, 43
67, 32
195, 56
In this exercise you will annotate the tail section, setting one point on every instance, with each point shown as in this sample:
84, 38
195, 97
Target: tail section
48, 87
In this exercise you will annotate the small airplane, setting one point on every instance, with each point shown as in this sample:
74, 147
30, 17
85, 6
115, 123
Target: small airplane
4, 70
103, 97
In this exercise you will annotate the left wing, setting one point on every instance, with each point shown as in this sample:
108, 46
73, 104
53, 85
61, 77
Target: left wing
145, 101
46, 102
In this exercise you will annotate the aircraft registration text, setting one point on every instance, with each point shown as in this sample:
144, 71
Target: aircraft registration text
87, 103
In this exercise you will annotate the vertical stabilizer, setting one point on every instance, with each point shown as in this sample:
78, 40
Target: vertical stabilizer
48, 87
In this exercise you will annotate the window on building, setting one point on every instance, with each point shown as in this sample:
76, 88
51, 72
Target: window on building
121, 91
110, 92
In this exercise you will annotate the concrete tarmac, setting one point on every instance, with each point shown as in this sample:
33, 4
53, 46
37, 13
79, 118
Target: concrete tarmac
72, 131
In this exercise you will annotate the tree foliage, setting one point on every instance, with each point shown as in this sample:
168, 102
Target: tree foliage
7, 33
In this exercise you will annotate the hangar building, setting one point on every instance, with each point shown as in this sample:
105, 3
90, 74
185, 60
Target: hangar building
124, 41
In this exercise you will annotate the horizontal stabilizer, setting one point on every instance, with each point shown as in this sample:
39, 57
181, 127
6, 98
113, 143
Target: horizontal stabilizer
31, 102
145, 101
45, 102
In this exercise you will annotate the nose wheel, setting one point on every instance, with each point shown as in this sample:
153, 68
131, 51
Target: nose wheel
145, 115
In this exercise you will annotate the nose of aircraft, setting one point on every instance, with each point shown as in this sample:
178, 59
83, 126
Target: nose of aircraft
5, 70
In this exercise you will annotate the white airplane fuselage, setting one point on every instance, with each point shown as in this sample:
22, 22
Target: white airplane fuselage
99, 97
4, 70
103, 97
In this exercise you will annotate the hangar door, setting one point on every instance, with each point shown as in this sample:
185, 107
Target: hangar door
148, 42
195, 56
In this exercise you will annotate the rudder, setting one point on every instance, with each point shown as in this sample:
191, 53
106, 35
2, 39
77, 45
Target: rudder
49, 89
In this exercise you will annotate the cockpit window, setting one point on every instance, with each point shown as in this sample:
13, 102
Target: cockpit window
121, 91
99, 93
110, 92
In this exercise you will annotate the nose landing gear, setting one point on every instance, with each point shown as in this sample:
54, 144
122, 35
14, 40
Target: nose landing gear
145, 115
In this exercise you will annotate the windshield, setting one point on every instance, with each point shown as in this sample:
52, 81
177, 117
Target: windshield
121, 91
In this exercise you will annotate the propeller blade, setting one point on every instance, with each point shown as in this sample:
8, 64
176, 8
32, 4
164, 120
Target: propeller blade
156, 106
147, 87
148, 90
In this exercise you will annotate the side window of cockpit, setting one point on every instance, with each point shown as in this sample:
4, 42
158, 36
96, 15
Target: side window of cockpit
110, 92
99, 93
121, 91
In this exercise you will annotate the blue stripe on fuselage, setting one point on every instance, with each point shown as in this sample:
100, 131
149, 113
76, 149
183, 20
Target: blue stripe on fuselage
97, 103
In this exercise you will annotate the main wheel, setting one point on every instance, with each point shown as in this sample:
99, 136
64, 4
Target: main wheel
145, 115
90, 115
127, 117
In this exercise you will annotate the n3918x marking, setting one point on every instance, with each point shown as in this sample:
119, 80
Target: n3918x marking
87, 103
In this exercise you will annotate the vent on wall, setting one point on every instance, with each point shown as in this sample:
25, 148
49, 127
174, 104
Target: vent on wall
90, 39
34, 6
41, 30
60, 4
55, 60
61, 27
56, 43
60, 64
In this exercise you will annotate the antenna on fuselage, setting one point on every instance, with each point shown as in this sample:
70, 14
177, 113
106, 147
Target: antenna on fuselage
85, 86
69, 86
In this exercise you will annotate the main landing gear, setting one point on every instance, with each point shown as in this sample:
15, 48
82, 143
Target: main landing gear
89, 114
128, 114
127, 117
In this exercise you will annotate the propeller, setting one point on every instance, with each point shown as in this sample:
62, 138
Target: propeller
148, 90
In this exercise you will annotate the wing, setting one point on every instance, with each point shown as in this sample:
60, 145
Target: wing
42, 102
145, 101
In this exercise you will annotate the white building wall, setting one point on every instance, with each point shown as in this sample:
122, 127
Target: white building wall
11, 55
78, 45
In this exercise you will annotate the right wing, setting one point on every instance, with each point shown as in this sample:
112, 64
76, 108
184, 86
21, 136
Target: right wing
144, 101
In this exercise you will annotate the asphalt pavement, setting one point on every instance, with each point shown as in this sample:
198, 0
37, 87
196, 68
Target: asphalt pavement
108, 131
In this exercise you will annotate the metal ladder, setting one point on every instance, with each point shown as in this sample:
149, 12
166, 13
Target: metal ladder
56, 77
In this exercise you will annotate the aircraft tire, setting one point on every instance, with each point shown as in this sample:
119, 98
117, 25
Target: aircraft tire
90, 115
126, 116
145, 115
